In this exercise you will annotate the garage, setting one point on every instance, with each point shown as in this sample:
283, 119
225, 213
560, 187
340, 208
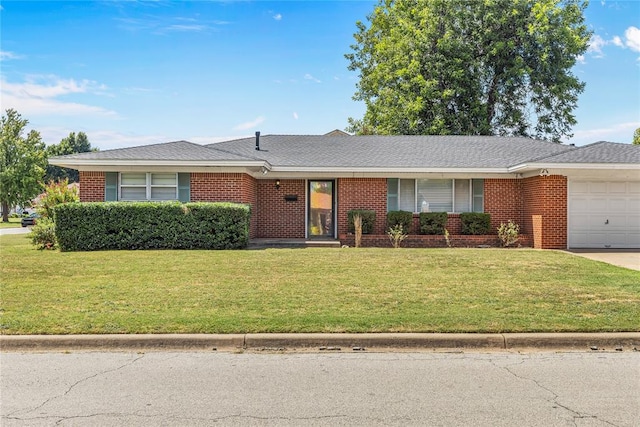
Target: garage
604, 214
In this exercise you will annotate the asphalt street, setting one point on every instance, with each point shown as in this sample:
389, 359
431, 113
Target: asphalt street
206, 388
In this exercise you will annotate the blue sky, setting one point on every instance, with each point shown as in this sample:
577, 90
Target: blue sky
137, 72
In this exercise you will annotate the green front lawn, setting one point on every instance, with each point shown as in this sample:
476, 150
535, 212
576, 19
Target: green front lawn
13, 223
311, 290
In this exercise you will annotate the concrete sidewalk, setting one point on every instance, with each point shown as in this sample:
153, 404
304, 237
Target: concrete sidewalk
620, 341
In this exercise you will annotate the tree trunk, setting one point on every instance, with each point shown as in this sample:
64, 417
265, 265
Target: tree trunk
5, 212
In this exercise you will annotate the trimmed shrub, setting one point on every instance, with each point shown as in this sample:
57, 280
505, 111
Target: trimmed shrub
433, 222
368, 220
151, 225
475, 223
403, 218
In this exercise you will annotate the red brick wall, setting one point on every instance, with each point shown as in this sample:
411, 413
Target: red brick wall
276, 217
362, 193
546, 196
92, 186
503, 200
227, 187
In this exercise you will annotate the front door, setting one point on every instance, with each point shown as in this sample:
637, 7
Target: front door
320, 220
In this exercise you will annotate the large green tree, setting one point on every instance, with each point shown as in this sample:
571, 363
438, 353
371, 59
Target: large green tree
481, 67
22, 162
70, 145
636, 137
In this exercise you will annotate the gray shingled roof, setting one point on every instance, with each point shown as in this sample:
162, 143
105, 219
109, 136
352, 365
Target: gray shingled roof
393, 151
364, 152
177, 150
599, 152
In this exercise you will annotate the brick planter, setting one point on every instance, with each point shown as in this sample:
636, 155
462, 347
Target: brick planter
429, 241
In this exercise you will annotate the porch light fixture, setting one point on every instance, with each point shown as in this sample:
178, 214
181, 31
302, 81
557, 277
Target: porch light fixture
277, 184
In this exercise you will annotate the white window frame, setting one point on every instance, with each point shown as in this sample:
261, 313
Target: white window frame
148, 186
453, 193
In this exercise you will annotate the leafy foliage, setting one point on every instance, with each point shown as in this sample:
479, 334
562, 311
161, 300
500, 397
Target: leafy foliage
396, 235
433, 222
145, 225
482, 67
42, 234
22, 162
70, 145
56, 193
475, 223
403, 218
508, 233
368, 220
636, 137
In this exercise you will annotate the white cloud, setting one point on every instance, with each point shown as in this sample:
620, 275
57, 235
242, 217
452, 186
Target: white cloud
277, 17
38, 95
5, 55
596, 43
617, 41
632, 34
250, 125
186, 28
580, 59
295, 115
310, 77
616, 132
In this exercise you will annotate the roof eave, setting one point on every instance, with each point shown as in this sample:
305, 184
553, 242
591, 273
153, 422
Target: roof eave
585, 166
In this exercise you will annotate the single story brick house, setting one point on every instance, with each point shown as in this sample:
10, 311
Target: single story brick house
302, 186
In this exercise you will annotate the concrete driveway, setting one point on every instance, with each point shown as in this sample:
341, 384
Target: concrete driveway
628, 258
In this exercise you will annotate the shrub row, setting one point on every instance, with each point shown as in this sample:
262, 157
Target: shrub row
430, 222
149, 225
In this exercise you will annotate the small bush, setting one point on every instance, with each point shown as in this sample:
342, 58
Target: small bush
403, 218
508, 233
433, 222
396, 235
43, 234
475, 223
368, 220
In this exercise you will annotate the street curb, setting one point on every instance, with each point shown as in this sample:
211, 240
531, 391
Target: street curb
619, 341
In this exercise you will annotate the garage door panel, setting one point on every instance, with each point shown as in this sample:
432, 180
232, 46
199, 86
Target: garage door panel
604, 214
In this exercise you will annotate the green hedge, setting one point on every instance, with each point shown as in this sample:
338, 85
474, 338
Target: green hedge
368, 220
475, 223
433, 222
403, 218
151, 225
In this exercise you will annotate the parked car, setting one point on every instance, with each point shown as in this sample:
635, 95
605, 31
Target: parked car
29, 220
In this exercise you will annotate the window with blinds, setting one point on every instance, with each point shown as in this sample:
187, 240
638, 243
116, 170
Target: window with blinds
435, 195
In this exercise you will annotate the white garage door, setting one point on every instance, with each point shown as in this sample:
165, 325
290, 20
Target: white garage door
604, 214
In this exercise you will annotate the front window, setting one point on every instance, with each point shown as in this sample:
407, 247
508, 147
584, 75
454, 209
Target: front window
136, 186
435, 195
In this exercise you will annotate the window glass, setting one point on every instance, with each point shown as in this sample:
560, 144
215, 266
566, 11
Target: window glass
407, 200
163, 179
163, 193
133, 193
462, 196
133, 179
436, 193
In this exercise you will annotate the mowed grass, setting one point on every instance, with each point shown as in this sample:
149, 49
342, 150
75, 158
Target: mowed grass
13, 223
311, 290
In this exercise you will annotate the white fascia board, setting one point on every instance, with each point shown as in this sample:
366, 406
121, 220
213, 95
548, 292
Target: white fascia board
84, 164
388, 171
592, 166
